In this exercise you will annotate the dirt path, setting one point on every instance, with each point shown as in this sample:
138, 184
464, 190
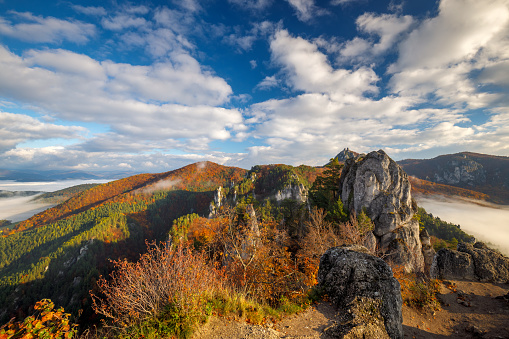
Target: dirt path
469, 310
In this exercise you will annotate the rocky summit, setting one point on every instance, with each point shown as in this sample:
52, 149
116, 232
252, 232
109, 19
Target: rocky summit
378, 185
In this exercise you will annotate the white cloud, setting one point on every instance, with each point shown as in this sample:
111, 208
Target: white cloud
308, 70
123, 21
19, 128
189, 5
140, 9
90, 10
46, 29
257, 5
53, 157
387, 26
268, 83
455, 35
306, 9
244, 40
389, 29
163, 101
438, 57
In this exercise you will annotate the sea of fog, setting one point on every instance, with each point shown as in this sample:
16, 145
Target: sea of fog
21, 208
486, 222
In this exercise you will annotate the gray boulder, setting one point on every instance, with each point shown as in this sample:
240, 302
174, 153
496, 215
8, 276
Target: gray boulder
471, 262
379, 185
364, 290
450, 264
489, 265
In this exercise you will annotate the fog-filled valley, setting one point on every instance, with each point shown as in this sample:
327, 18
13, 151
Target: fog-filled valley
20, 208
486, 222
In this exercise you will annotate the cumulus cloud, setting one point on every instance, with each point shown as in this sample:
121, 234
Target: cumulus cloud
439, 56
122, 21
388, 28
308, 70
46, 29
90, 10
306, 9
268, 83
167, 100
19, 128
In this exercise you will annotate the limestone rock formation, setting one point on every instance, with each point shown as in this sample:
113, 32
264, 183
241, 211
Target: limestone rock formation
471, 262
346, 154
293, 191
363, 288
377, 184
465, 171
427, 250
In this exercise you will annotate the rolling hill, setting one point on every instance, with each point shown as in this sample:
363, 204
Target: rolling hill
482, 173
61, 252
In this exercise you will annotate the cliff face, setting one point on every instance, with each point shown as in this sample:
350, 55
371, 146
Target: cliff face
381, 187
479, 172
454, 172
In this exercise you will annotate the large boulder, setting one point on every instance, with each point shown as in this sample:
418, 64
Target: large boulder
365, 291
377, 184
454, 265
471, 262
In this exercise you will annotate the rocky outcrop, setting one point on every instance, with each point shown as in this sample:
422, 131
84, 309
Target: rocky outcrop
377, 184
346, 154
293, 191
364, 290
465, 171
471, 262
454, 265
428, 252
218, 201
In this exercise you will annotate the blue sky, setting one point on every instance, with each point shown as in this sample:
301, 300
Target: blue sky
151, 86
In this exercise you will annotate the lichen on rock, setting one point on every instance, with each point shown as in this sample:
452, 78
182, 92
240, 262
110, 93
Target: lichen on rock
365, 291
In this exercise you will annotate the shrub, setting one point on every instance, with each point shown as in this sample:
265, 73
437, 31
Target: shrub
416, 292
167, 289
46, 323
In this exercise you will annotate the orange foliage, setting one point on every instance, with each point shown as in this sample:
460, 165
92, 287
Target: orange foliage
425, 187
46, 323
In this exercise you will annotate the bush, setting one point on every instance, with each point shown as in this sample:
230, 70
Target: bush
46, 323
416, 292
167, 290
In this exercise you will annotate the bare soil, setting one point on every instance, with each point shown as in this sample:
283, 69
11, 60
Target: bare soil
469, 310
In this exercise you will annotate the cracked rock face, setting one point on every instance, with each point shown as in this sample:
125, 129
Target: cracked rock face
379, 185
365, 291
471, 262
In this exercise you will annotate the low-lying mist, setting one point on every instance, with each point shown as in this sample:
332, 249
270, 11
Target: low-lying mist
20, 208
486, 222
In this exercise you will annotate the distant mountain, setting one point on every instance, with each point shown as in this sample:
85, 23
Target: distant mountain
56, 175
482, 173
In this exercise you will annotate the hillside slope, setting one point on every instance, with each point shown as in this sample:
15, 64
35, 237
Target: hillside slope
61, 252
482, 173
